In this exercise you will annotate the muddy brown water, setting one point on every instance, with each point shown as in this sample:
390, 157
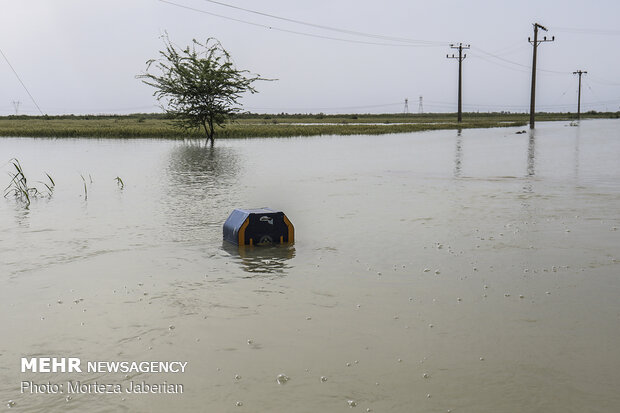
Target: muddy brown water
439, 271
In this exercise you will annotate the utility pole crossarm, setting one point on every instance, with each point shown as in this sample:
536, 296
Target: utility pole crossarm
536, 27
460, 48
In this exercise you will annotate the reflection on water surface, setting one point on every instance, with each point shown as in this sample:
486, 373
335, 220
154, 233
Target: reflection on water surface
268, 259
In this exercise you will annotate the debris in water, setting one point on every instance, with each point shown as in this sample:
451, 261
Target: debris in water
282, 378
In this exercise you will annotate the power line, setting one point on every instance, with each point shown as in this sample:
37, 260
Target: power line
510, 49
486, 59
329, 108
518, 64
434, 103
264, 26
28, 109
106, 110
602, 81
591, 90
494, 105
20, 81
320, 26
587, 31
561, 96
442, 105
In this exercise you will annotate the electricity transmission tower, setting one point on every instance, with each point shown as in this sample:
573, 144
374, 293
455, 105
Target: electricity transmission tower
406, 110
579, 72
460, 58
16, 104
535, 43
420, 106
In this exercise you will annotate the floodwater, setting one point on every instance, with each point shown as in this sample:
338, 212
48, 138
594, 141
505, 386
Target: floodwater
432, 272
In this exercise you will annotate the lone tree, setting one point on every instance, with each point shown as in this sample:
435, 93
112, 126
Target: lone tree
198, 86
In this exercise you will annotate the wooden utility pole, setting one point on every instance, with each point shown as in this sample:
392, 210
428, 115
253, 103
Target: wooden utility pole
460, 57
579, 72
535, 43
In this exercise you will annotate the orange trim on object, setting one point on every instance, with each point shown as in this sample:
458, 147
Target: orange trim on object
242, 231
291, 230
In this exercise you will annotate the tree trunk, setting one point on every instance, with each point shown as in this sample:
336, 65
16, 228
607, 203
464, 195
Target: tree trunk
209, 131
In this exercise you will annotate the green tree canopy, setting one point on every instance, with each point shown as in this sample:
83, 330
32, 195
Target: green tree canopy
198, 86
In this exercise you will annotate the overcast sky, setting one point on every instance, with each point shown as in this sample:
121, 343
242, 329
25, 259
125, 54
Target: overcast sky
82, 56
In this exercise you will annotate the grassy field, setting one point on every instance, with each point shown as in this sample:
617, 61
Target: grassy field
254, 125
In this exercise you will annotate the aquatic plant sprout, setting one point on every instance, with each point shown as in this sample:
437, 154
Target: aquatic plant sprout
18, 186
85, 188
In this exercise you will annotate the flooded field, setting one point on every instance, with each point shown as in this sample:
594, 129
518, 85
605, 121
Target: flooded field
432, 272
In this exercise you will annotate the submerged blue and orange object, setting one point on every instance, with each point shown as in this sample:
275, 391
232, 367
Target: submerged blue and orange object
259, 226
